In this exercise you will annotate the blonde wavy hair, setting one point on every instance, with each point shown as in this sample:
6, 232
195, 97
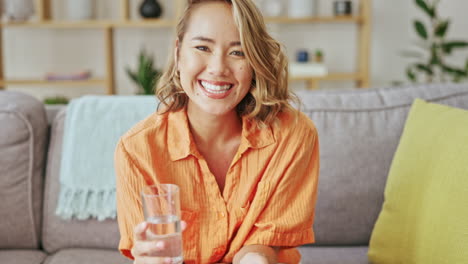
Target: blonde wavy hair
269, 93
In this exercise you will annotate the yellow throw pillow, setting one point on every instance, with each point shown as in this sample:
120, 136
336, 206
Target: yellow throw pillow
424, 218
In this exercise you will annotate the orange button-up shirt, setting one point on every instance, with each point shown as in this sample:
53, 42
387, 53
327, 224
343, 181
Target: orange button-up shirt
269, 195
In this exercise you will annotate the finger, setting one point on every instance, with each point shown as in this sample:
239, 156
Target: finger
183, 225
148, 248
139, 232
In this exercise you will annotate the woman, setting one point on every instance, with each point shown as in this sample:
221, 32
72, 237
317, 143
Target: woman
246, 162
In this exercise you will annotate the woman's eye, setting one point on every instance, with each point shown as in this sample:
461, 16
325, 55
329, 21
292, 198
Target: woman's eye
202, 48
238, 53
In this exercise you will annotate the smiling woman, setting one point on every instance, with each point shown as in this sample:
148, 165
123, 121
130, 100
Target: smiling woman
214, 72
269, 92
245, 160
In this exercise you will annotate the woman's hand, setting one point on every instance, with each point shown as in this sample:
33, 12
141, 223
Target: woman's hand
144, 250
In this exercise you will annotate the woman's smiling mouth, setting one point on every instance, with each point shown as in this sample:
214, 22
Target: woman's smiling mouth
215, 90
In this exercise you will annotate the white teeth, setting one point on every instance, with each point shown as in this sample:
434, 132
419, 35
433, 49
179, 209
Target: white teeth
215, 88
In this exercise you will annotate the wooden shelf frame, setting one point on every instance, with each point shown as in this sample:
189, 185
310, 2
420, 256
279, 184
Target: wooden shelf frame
152, 23
87, 82
314, 19
313, 81
43, 9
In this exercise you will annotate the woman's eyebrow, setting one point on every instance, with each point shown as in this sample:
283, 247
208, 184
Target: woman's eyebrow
201, 38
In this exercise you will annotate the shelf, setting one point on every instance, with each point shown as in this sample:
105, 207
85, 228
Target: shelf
150, 23
90, 82
60, 24
315, 19
329, 77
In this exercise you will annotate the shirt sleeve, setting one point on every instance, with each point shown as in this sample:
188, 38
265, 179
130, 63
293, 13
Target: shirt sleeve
287, 218
129, 208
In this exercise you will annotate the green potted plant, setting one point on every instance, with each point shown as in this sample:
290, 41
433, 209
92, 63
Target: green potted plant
318, 55
56, 100
431, 62
146, 75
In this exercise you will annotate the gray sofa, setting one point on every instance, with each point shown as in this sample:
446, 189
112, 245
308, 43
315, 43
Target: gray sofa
359, 131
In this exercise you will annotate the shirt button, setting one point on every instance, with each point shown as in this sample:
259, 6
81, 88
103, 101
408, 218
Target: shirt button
221, 215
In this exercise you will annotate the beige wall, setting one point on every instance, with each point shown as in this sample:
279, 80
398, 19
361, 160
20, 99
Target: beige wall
33, 52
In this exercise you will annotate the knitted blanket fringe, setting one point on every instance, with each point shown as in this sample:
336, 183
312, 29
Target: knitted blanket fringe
84, 204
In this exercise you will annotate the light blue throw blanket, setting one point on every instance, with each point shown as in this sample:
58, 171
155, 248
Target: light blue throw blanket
93, 126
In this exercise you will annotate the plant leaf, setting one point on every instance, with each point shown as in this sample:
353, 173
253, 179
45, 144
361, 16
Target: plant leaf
145, 75
424, 68
441, 28
426, 8
410, 74
453, 70
447, 47
420, 29
132, 75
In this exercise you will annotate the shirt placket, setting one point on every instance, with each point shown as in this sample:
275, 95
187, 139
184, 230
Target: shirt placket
217, 217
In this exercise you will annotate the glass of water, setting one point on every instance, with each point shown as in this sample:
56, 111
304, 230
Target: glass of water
161, 205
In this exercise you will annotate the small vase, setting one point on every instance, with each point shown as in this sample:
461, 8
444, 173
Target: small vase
302, 8
80, 9
18, 10
150, 9
343, 8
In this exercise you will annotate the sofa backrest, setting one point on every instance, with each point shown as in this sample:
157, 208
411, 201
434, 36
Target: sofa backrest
359, 131
23, 141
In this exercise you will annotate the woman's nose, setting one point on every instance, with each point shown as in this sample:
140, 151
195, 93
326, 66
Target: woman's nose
218, 65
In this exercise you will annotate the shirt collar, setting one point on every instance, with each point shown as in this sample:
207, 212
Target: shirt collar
179, 139
181, 144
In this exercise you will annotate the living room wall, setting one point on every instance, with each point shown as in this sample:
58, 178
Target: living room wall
31, 53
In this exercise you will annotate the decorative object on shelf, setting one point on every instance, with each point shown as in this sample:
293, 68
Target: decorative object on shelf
56, 100
150, 9
18, 10
302, 56
304, 68
302, 8
342, 8
318, 55
146, 76
74, 76
434, 48
271, 8
80, 9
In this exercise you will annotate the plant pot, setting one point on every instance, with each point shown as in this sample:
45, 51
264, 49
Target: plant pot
150, 9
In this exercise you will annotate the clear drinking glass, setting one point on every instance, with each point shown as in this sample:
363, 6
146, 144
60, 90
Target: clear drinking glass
161, 205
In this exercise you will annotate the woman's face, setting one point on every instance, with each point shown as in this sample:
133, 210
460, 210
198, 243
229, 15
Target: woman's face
214, 72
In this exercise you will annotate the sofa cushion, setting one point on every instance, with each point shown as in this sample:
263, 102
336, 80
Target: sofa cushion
334, 255
87, 256
22, 256
59, 233
23, 140
425, 214
359, 132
